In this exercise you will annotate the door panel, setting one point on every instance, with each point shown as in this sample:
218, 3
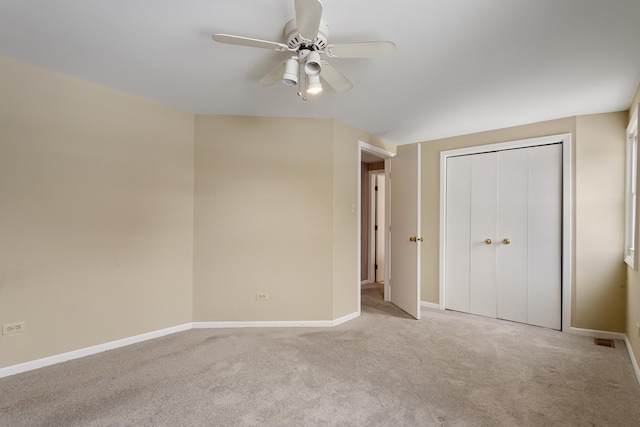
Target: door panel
482, 292
405, 223
458, 222
512, 224
545, 231
379, 232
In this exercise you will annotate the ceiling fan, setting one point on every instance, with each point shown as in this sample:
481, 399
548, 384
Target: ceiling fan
306, 39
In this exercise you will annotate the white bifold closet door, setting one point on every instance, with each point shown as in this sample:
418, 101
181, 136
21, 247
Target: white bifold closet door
503, 235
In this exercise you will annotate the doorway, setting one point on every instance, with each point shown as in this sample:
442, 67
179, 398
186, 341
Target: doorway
372, 217
374, 165
402, 246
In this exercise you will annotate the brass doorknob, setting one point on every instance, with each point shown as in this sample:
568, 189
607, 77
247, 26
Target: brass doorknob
412, 239
487, 241
506, 241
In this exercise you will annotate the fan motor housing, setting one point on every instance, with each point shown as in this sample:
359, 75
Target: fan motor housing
296, 42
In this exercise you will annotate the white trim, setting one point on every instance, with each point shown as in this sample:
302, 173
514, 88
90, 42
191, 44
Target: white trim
508, 145
88, 351
567, 213
376, 151
419, 228
432, 305
344, 319
567, 230
277, 323
365, 282
632, 155
597, 334
359, 230
387, 230
632, 127
633, 358
264, 324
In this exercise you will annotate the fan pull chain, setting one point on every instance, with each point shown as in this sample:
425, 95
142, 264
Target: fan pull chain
299, 77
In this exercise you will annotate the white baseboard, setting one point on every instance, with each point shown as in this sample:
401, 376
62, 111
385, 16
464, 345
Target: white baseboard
88, 351
76, 354
345, 319
597, 334
277, 323
633, 358
365, 282
430, 305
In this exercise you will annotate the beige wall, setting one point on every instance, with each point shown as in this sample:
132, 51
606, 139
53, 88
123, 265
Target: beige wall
101, 197
633, 281
99, 213
600, 273
273, 201
263, 218
596, 148
96, 213
345, 230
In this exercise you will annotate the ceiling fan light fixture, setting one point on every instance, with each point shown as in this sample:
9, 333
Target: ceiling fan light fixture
306, 41
290, 76
313, 84
312, 67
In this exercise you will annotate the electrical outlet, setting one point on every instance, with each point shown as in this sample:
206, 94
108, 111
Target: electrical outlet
262, 296
13, 328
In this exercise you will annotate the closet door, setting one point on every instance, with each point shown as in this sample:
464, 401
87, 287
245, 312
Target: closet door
470, 270
511, 242
529, 235
503, 235
482, 263
544, 296
457, 232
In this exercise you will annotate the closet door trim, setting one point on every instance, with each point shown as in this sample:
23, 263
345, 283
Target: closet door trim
567, 213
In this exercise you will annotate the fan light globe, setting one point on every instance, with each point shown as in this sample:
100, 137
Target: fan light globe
290, 76
313, 85
312, 67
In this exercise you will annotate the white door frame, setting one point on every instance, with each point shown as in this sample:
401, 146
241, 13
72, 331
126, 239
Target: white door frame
373, 201
386, 156
567, 196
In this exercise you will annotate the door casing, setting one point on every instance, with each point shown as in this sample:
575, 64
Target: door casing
567, 196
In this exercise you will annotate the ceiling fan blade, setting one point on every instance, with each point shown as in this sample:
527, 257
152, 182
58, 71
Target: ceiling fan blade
308, 15
362, 50
334, 78
245, 41
274, 75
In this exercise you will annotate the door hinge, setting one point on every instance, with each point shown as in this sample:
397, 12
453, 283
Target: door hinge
376, 188
375, 267
376, 228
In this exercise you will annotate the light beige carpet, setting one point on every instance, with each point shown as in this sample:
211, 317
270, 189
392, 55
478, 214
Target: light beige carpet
382, 369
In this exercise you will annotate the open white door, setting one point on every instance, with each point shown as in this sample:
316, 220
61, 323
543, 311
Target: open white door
406, 237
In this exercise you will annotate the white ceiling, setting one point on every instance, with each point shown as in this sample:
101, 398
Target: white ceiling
463, 65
